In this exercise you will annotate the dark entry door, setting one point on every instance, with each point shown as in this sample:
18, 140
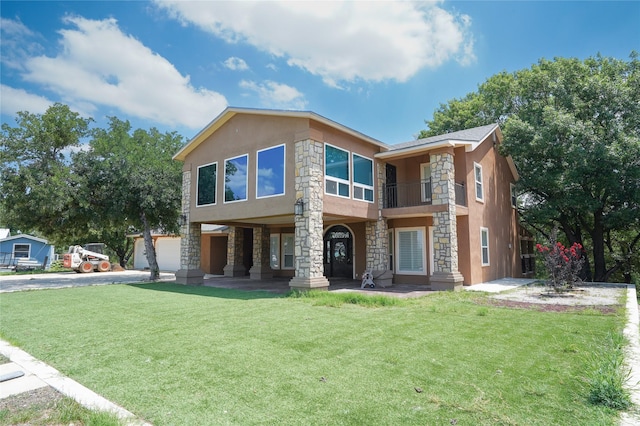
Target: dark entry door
391, 196
338, 253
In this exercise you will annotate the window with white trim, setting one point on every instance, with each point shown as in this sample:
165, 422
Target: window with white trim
206, 185
274, 256
21, 251
478, 178
484, 246
236, 178
288, 253
336, 171
411, 251
390, 250
362, 178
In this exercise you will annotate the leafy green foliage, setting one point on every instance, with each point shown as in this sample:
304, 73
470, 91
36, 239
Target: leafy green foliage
573, 129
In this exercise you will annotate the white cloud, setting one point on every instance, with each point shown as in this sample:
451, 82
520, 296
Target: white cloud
123, 74
276, 95
14, 100
236, 64
339, 41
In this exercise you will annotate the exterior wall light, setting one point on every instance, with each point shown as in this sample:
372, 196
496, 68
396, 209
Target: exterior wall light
298, 207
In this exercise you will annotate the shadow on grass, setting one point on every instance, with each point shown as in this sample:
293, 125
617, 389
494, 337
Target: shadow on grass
221, 293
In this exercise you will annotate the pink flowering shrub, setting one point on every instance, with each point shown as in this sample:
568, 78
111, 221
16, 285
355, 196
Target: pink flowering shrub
563, 264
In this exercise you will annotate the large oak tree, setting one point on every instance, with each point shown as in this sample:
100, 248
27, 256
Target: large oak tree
573, 130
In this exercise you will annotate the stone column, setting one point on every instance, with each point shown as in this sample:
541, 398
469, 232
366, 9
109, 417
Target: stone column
445, 245
189, 272
309, 185
261, 268
235, 254
377, 237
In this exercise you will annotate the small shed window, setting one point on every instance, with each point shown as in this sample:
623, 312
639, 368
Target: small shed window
21, 251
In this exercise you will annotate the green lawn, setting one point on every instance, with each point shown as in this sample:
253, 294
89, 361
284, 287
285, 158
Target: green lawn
191, 355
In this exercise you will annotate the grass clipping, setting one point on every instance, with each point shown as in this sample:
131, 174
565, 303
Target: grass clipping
334, 299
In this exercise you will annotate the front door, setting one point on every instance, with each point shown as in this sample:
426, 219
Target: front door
338, 253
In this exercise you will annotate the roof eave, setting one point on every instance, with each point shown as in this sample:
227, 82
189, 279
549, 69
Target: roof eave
229, 112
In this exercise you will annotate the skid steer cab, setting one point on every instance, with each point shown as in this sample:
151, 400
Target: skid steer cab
81, 259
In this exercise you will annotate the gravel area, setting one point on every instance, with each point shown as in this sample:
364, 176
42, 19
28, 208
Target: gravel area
606, 298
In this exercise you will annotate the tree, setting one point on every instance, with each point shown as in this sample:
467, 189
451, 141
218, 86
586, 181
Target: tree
132, 181
573, 129
36, 186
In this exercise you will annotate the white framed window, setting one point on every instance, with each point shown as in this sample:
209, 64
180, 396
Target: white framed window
514, 196
425, 182
411, 251
236, 178
484, 246
206, 184
390, 250
336, 171
288, 251
274, 251
477, 173
21, 251
362, 178
270, 172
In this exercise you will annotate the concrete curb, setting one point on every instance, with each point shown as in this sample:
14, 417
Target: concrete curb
632, 357
66, 386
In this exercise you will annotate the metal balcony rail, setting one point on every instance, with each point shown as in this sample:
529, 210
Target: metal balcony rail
416, 193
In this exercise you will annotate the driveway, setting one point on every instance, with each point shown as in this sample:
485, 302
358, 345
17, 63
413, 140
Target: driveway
10, 283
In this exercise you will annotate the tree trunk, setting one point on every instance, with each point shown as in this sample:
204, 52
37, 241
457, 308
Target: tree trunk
597, 237
150, 249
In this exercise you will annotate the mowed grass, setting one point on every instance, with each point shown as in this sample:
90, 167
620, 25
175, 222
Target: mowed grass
177, 355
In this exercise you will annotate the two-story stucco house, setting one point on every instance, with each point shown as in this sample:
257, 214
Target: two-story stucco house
308, 198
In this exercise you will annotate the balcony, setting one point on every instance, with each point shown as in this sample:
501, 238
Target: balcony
417, 193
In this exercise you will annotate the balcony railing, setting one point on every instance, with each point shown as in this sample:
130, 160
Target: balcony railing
417, 193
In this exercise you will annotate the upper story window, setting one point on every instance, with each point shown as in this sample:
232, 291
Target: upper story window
21, 251
235, 178
478, 177
336, 171
514, 195
362, 178
207, 179
270, 172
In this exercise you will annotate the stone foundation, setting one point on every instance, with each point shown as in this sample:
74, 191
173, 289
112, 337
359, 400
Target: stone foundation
451, 281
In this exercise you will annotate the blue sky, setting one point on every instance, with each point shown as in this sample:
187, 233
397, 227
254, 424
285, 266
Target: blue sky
381, 68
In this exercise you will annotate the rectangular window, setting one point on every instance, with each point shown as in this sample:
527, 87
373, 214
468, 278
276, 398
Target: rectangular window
336, 171
207, 179
362, 178
288, 243
410, 243
235, 178
390, 250
514, 197
270, 172
21, 251
275, 251
425, 183
478, 177
484, 246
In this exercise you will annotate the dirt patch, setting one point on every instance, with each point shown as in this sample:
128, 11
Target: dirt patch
606, 299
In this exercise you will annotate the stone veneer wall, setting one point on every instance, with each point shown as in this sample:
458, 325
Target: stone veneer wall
309, 185
377, 237
261, 251
189, 272
445, 244
235, 255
